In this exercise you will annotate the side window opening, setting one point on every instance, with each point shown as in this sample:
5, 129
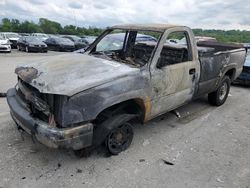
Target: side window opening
175, 50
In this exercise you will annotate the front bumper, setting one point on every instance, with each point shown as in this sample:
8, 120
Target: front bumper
5, 48
70, 138
38, 49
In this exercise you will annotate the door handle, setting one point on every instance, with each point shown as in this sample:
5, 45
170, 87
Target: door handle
192, 71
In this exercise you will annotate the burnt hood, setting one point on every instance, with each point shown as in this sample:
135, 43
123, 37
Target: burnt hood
72, 73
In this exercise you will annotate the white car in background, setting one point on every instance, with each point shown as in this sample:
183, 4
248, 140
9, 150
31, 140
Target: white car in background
41, 36
12, 37
4, 45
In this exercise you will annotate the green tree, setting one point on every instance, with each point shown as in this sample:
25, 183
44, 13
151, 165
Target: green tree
29, 27
6, 25
50, 27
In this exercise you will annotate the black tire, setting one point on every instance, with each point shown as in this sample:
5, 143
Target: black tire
218, 97
120, 138
106, 131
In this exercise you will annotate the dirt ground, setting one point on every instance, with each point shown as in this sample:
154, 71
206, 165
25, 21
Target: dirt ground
206, 147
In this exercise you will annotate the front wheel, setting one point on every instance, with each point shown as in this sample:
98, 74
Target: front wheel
218, 97
120, 138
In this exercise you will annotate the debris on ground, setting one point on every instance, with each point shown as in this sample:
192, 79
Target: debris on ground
59, 165
145, 142
78, 170
176, 113
34, 150
219, 180
167, 162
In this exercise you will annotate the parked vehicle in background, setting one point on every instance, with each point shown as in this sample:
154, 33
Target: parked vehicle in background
42, 36
60, 44
4, 45
116, 41
203, 38
246, 45
79, 101
79, 42
31, 44
24, 34
244, 78
12, 37
89, 39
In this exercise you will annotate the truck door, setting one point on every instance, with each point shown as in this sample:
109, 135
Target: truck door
176, 71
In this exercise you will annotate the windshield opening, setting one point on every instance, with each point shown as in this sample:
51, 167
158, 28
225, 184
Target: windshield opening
132, 47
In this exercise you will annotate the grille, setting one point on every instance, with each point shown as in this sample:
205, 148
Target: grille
30, 105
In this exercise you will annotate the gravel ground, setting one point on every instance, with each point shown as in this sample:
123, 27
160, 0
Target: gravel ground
205, 147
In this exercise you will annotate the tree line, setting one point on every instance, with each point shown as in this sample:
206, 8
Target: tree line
45, 26
51, 27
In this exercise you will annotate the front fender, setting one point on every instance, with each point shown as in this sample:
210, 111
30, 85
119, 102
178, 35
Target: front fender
86, 106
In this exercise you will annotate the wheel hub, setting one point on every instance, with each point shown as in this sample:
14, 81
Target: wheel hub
120, 138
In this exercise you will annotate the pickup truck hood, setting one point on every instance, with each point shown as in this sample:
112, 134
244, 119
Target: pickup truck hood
72, 73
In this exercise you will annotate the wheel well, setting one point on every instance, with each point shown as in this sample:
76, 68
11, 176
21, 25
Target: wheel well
230, 73
132, 106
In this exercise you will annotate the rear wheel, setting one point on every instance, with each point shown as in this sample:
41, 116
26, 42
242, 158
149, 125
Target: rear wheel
218, 97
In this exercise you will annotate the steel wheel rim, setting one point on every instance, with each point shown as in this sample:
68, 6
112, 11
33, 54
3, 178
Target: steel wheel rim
120, 138
223, 91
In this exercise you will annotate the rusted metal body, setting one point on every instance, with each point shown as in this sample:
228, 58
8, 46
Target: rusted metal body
73, 90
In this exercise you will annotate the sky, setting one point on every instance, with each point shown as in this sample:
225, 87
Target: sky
211, 14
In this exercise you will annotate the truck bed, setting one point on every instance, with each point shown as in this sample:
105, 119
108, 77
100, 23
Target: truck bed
215, 57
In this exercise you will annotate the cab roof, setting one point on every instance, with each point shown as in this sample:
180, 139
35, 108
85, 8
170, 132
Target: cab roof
145, 27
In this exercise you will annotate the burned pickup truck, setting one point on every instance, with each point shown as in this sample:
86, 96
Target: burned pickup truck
78, 101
